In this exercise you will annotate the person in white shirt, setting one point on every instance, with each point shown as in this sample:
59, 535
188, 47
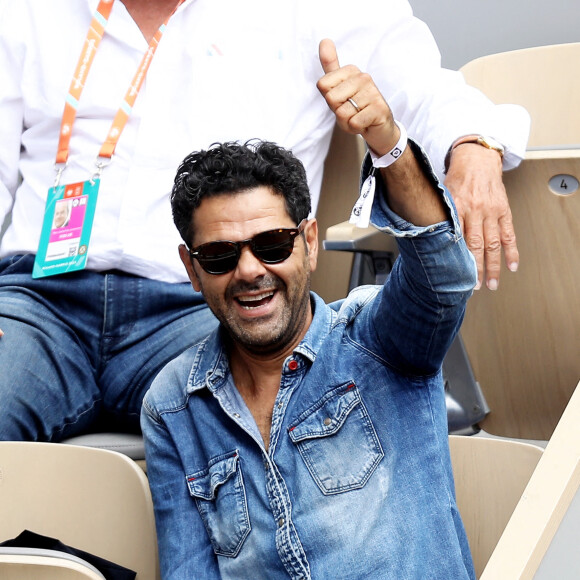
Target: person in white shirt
84, 346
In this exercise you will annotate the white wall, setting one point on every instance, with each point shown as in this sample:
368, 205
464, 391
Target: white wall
466, 29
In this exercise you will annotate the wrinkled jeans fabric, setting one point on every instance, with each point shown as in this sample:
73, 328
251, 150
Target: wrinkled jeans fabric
84, 347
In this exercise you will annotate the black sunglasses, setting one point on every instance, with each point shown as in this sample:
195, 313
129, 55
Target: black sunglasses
270, 247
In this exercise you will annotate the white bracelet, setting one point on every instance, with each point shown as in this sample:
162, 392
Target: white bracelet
394, 153
361, 212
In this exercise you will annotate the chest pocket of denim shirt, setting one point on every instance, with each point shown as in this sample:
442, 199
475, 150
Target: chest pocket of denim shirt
221, 500
337, 441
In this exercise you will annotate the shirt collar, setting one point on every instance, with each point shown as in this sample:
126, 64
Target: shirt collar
210, 368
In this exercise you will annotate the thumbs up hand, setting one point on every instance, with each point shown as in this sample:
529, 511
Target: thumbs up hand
356, 101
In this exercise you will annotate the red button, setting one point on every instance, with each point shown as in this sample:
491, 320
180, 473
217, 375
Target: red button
292, 365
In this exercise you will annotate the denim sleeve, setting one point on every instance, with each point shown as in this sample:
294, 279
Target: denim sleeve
422, 304
185, 551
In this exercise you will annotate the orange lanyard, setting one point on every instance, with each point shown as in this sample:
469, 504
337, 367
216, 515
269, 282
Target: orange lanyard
92, 41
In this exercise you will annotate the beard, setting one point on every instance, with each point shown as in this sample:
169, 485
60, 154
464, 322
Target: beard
274, 332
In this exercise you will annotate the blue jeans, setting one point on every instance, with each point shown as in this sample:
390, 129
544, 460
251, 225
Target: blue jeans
80, 350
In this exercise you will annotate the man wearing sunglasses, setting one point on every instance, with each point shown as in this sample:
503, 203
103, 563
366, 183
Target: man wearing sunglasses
305, 440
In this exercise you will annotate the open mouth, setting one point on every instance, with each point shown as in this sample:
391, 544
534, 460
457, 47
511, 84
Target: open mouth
255, 301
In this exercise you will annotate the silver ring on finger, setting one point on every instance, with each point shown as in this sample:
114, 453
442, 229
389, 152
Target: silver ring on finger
353, 103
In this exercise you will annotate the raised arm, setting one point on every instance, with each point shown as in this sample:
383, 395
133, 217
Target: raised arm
423, 301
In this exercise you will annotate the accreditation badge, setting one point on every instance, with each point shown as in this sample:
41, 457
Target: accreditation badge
66, 229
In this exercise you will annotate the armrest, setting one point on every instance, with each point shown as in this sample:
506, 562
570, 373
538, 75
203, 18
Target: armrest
553, 152
347, 237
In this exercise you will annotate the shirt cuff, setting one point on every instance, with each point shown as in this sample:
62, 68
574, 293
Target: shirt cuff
386, 220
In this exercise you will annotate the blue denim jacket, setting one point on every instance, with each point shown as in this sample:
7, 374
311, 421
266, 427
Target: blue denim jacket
357, 481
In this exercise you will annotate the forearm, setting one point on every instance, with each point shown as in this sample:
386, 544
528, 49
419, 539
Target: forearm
410, 193
438, 242
429, 285
456, 109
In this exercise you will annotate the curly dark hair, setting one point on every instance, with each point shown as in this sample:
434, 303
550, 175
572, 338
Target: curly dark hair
233, 167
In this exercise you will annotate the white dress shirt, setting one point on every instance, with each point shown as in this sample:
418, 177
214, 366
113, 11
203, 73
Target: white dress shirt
224, 70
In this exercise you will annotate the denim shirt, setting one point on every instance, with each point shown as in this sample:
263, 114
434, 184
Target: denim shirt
357, 481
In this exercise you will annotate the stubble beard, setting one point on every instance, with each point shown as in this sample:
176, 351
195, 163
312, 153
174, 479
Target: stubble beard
278, 331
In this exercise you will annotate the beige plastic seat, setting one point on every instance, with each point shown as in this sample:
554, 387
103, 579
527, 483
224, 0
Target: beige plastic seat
543, 79
91, 499
37, 567
524, 340
490, 478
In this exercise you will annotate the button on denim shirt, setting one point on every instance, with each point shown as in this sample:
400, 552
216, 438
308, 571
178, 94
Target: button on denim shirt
357, 481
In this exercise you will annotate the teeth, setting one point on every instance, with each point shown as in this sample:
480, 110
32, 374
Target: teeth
255, 298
